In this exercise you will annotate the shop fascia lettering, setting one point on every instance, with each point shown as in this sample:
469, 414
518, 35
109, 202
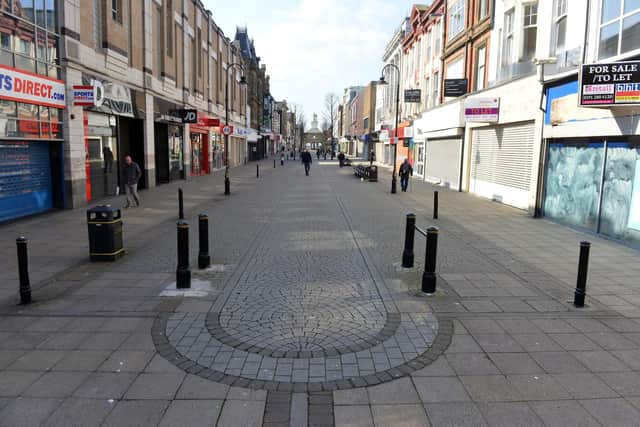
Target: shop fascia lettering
110, 97
30, 88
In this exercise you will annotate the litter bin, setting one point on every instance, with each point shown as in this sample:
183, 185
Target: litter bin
373, 173
105, 233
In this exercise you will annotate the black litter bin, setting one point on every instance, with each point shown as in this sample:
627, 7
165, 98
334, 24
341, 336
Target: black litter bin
105, 233
373, 173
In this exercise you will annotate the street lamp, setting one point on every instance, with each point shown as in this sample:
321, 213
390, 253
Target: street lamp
243, 82
382, 81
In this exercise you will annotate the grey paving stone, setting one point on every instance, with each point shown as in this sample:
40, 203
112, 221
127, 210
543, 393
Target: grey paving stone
13, 383
519, 326
495, 343
538, 387
64, 341
515, 363
600, 361
159, 364
612, 341
625, 383
195, 387
81, 360
127, 361
104, 341
23, 341
136, 413
299, 410
482, 326
630, 357
588, 325
353, 415
509, 414
438, 368
138, 341
105, 385
7, 357
536, 342
490, 388
195, 413
37, 360
241, 413
56, 384
585, 385
574, 342
400, 391
558, 326
75, 412
399, 415
463, 344
239, 393
612, 412
558, 362
567, 413
354, 396
27, 411
155, 386
471, 364
48, 324
440, 389
458, 414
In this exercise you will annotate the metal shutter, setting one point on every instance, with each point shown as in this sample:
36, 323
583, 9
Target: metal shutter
25, 178
443, 161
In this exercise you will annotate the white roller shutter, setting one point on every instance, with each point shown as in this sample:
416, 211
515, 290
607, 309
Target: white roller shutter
443, 161
501, 163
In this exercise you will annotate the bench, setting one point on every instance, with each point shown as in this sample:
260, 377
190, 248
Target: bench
369, 173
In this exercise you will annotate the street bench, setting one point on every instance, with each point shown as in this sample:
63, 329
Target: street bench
369, 173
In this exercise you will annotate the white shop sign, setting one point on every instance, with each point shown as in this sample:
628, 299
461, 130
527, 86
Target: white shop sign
30, 88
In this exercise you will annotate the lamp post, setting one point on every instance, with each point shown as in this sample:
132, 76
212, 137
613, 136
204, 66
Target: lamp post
382, 81
243, 81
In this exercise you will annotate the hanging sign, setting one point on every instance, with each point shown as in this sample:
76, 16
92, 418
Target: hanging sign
412, 95
610, 84
84, 95
455, 87
30, 88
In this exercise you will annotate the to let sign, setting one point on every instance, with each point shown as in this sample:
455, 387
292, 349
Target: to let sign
30, 88
412, 95
481, 109
611, 84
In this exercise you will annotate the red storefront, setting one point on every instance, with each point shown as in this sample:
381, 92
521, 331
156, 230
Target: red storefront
403, 143
200, 145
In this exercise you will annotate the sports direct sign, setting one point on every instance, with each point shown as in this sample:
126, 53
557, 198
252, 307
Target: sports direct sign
30, 88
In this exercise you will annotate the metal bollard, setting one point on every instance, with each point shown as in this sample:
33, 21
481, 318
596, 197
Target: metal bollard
203, 228
183, 274
23, 270
274, 163
435, 205
429, 275
409, 237
583, 267
180, 204
257, 170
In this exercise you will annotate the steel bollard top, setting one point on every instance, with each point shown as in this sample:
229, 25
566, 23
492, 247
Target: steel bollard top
182, 224
203, 216
411, 215
21, 239
433, 230
585, 243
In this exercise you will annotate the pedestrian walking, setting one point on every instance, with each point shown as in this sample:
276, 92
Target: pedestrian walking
405, 171
341, 158
318, 153
132, 175
282, 159
306, 158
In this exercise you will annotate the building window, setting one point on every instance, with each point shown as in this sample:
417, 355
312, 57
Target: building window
436, 88
507, 47
116, 10
428, 48
169, 27
456, 18
436, 44
455, 69
530, 31
619, 27
198, 52
483, 9
427, 91
481, 65
560, 27
366, 125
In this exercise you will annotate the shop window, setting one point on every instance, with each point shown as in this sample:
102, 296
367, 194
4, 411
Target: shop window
560, 26
456, 18
619, 27
530, 31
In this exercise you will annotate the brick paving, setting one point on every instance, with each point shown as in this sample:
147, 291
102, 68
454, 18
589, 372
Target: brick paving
306, 265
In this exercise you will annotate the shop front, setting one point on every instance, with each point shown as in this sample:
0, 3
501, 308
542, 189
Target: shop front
31, 159
113, 129
592, 157
168, 140
199, 139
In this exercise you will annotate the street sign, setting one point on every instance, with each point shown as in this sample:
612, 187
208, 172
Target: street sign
227, 130
412, 95
188, 116
455, 87
610, 84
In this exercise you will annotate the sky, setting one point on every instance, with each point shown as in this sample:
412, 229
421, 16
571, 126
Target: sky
314, 47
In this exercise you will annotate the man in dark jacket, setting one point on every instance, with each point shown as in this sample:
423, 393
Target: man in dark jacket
341, 158
306, 158
405, 171
132, 174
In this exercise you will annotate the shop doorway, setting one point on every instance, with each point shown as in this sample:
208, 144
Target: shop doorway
131, 138
162, 153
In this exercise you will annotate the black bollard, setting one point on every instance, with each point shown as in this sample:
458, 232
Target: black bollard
183, 274
435, 205
583, 267
409, 237
23, 270
257, 170
429, 275
203, 228
180, 204
274, 163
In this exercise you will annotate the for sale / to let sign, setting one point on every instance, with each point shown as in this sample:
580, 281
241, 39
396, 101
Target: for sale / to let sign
610, 84
23, 86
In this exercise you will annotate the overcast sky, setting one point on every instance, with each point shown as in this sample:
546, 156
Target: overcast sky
312, 47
